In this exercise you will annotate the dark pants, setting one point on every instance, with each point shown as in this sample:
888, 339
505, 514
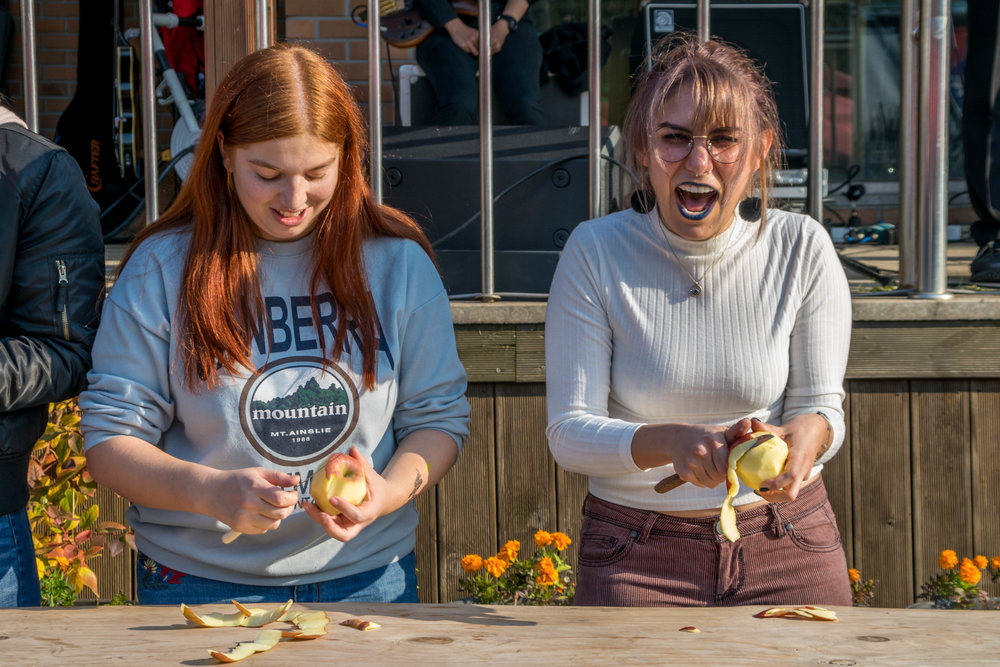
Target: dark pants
788, 554
981, 118
515, 70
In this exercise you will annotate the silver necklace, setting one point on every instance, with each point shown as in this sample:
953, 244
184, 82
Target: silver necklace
697, 287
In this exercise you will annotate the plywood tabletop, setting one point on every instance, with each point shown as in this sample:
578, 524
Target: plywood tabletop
456, 634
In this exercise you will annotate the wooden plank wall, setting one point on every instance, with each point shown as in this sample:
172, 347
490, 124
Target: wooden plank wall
917, 474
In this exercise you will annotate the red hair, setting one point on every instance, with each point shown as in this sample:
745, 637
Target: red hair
278, 92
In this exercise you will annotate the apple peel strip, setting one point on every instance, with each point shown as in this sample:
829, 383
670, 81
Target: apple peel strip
264, 641
807, 612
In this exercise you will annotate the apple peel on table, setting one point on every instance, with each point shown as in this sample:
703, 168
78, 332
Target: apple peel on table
264, 641
343, 476
214, 619
260, 617
807, 612
754, 458
308, 624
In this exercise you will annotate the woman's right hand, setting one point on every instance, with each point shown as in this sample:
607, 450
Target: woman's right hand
698, 452
254, 500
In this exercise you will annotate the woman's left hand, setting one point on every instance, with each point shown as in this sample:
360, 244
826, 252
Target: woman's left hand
805, 435
353, 518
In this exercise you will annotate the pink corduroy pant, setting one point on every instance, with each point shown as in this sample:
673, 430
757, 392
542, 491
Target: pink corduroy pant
788, 554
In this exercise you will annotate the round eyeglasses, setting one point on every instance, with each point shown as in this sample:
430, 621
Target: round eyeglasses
676, 146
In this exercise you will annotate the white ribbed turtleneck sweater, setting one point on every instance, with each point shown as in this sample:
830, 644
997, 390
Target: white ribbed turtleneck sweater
626, 344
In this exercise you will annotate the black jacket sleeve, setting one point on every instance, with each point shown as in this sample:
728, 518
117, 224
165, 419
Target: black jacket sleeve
51, 275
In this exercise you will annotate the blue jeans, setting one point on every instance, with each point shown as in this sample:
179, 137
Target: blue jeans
159, 584
18, 572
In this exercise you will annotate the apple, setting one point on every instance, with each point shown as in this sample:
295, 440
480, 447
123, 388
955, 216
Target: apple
764, 461
342, 476
759, 467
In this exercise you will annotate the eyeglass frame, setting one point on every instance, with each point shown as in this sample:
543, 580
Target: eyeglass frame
708, 148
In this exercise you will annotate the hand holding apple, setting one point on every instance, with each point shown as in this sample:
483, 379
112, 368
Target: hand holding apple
755, 457
342, 476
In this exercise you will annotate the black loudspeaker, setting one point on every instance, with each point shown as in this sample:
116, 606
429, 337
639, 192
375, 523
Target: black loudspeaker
540, 192
773, 33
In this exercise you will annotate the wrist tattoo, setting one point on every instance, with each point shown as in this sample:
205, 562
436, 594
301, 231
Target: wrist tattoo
417, 484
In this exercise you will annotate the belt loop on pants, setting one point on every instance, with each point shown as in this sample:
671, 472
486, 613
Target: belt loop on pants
779, 522
647, 527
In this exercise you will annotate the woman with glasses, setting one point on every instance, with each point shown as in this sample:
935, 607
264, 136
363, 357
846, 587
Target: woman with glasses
678, 326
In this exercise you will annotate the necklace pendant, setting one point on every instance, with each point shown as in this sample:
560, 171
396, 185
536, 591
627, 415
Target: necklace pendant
695, 290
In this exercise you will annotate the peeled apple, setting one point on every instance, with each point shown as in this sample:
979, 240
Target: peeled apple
754, 462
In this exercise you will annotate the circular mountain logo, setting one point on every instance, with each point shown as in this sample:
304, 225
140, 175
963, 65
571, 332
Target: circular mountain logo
297, 410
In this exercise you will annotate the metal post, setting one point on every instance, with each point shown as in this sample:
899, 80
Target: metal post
150, 150
486, 154
594, 120
704, 21
907, 164
262, 22
816, 36
28, 58
375, 98
932, 146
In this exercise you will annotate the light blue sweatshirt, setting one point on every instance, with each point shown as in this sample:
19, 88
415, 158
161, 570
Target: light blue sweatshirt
290, 414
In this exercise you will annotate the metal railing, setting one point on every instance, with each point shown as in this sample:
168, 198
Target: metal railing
923, 164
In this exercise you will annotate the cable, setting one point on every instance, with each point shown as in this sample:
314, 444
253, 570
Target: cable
518, 183
142, 201
852, 171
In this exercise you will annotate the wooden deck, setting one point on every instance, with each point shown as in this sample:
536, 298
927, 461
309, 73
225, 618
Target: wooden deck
918, 472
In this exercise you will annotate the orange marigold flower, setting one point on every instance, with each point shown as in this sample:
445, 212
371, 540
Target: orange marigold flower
472, 563
561, 540
508, 552
968, 572
545, 564
995, 563
495, 566
854, 575
981, 562
547, 578
947, 559
543, 538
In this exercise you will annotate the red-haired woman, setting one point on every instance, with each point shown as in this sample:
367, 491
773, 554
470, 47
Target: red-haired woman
273, 316
693, 314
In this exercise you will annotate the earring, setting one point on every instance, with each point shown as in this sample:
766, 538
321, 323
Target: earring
750, 209
642, 201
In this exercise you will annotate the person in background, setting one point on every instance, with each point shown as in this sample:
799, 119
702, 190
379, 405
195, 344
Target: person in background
450, 57
51, 282
675, 327
273, 316
980, 134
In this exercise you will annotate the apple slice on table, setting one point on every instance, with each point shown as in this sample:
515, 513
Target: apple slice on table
754, 458
341, 476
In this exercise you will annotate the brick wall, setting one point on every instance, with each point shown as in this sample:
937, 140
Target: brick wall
327, 26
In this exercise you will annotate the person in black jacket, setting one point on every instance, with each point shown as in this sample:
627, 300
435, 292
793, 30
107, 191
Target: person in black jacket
980, 134
450, 58
51, 281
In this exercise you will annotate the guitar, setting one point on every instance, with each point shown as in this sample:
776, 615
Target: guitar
402, 26
86, 127
125, 112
